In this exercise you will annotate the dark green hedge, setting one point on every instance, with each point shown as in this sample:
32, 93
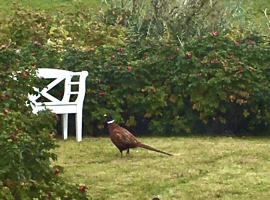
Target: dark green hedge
210, 84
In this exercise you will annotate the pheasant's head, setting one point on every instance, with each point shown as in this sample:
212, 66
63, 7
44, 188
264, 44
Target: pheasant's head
110, 119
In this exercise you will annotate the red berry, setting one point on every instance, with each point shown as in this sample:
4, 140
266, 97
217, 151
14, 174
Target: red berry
101, 93
3, 46
25, 74
3, 96
121, 49
231, 56
188, 55
237, 43
239, 63
128, 68
202, 62
199, 75
240, 71
82, 188
57, 171
6, 111
214, 33
38, 43
153, 90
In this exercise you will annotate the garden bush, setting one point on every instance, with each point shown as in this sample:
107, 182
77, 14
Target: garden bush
26, 139
227, 81
79, 27
212, 80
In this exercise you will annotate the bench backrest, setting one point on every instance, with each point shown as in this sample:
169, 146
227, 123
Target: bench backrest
60, 75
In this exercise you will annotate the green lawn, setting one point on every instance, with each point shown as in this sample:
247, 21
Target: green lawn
48, 5
201, 168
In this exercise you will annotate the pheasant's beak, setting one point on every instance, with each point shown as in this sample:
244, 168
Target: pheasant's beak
105, 115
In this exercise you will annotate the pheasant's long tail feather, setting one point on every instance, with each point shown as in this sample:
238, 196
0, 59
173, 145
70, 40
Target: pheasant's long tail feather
152, 149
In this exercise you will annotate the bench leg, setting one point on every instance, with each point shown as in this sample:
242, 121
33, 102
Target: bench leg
65, 125
79, 126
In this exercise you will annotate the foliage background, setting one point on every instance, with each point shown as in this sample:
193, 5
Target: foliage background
137, 56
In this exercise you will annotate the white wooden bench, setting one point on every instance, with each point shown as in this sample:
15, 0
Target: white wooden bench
65, 105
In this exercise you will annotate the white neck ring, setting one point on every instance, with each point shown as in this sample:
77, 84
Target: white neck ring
110, 122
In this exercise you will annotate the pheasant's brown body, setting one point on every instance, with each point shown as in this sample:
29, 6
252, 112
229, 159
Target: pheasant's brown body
124, 140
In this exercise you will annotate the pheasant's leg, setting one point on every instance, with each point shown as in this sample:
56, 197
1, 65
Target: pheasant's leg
121, 154
127, 151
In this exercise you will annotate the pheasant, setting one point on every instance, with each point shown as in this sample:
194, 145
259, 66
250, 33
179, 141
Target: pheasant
124, 140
